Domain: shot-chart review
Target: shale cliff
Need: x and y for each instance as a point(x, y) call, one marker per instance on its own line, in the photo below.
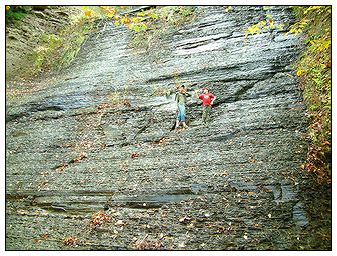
point(97, 137)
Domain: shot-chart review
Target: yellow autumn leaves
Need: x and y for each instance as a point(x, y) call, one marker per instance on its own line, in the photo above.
point(316, 47)
point(88, 13)
point(109, 11)
point(135, 23)
point(268, 23)
point(300, 72)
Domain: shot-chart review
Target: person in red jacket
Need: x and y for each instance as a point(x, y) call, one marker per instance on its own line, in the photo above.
point(207, 101)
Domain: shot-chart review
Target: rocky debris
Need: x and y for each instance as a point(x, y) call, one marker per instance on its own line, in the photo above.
point(235, 184)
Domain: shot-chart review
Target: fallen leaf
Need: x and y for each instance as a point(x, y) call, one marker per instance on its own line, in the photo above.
point(184, 219)
point(190, 226)
point(45, 235)
point(147, 244)
point(98, 219)
point(41, 238)
point(22, 212)
point(182, 245)
point(161, 141)
point(61, 167)
point(80, 157)
point(103, 106)
point(225, 173)
point(88, 13)
point(71, 240)
point(126, 103)
point(135, 154)
point(120, 223)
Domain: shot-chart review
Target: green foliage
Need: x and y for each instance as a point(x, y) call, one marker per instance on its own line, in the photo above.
point(56, 51)
point(16, 13)
point(157, 24)
point(72, 40)
point(174, 15)
point(314, 71)
point(142, 20)
point(120, 16)
point(256, 28)
point(266, 24)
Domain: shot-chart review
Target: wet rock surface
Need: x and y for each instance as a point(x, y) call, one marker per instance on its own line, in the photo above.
point(235, 184)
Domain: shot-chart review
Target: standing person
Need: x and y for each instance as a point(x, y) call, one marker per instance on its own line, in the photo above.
point(181, 99)
point(207, 101)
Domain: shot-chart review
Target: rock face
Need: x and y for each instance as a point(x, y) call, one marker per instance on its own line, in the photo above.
point(98, 137)
point(22, 39)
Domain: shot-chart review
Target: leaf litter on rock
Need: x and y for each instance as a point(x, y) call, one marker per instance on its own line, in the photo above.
point(135, 154)
point(41, 237)
point(82, 156)
point(98, 219)
point(149, 244)
point(71, 241)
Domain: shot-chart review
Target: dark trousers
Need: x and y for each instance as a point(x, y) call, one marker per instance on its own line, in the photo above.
point(206, 113)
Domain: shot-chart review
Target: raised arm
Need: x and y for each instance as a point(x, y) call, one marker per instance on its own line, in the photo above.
point(214, 98)
point(169, 92)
